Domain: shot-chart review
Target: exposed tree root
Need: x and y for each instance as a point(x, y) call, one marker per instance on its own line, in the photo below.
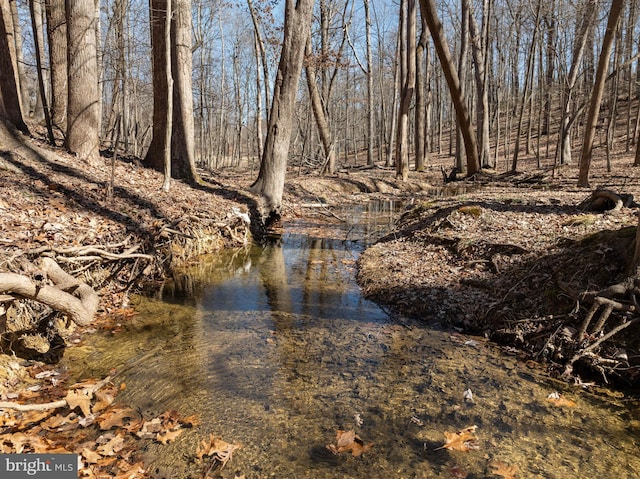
point(65, 293)
point(620, 299)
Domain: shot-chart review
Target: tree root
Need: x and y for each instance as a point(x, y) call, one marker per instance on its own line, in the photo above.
point(603, 306)
point(66, 294)
point(605, 200)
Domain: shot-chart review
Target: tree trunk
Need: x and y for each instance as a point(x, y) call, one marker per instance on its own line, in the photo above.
point(617, 7)
point(318, 110)
point(22, 76)
point(429, 10)
point(270, 182)
point(83, 113)
point(155, 154)
point(478, 48)
point(35, 9)
point(369, 73)
point(408, 82)
point(168, 123)
point(178, 56)
point(582, 30)
point(10, 104)
point(421, 105)
point(183, 136)
point(57, 36)
point(525, 93)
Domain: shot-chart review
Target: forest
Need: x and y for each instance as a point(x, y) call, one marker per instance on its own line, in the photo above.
point(136, 137)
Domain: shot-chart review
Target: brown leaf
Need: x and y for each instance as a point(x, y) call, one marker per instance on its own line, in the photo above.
point(115, 417)
point(80, 399)
point(216, 448)
point(504, 470)
point(90, 457)
point(349, 441)
point(464, 440)
point(166, 437)
point(559, 400)
point(112, 447)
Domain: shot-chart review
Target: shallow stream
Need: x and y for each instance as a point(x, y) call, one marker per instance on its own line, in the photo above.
point(276, 349)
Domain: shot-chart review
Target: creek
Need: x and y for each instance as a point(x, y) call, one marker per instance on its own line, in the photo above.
point(275, 348)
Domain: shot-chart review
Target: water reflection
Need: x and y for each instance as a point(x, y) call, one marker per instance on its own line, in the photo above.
point(276, 349)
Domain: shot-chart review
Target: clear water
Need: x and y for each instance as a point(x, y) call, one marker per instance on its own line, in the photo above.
point(276, 349)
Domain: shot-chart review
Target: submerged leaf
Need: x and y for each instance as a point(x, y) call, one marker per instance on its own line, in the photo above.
point(349, 441)
point(559, 400)
point(464, 440)
point(504, 470)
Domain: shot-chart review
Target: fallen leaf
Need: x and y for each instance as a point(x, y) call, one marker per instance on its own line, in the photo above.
point(559, 400)
point(349, 441)
point(464, 440)
point(90, 457)
point(79, 399)
point(504, 470)
point(112, 447)
point(115, 417)
point(168, 436)
point(216, 448)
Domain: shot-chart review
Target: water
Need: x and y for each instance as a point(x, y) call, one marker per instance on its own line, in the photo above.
point(276, 349)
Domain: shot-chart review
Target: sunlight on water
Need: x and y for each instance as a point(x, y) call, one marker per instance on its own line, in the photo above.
point(276, 349)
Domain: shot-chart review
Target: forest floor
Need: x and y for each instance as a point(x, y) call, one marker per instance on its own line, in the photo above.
point(502, 255)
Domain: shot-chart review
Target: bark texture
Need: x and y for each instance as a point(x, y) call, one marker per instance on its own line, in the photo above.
point(83, 114)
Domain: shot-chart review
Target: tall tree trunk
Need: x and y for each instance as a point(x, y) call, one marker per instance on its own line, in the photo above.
point(57, 36)
point(168, 123)
point(83, 113)
point(183, 164)
point(161, 95)
point(270, 182)
point(182, 140)
point(10, 104)
point(421, 106)
point(369, 73)
point(617, 7)
point(318, 110)
point(408, 79)
point(462, 72)
point(527, 85)
point(22, 76)
point(582, 31)
point(35, 8)
point(478, 48)
point(428, 9)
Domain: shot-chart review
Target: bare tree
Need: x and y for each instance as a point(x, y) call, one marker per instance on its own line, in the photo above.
point(83, 112)
point(178, 57)
point(617, 7)
point(35, 8)
point(428, 9)
point(10, 101)
point(57, 37)
point(408, 82)
point(270, 182)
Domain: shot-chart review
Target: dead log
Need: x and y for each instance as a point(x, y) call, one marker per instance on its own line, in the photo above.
point(67, 294)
